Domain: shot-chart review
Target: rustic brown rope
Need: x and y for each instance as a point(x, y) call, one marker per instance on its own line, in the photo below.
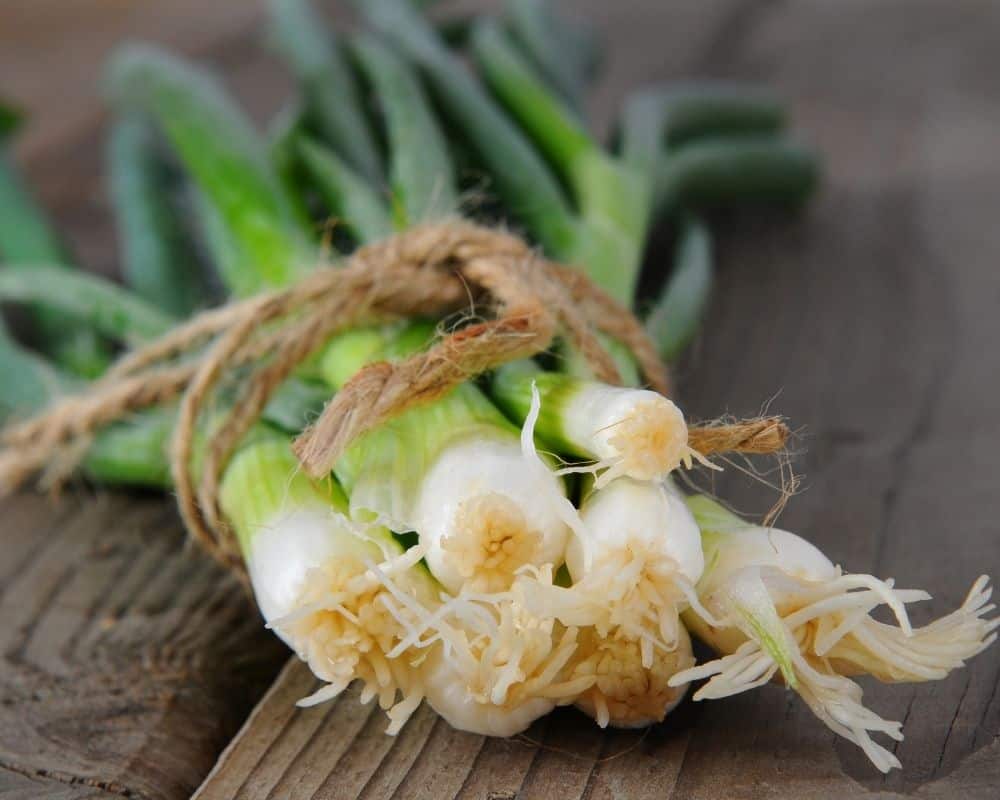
point(431, 270)
point(755, 436)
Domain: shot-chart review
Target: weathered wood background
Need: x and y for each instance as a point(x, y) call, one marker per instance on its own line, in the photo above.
point(873, 321)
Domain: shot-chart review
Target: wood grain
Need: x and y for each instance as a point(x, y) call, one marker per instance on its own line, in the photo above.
point(871, 321)
point(128, 659)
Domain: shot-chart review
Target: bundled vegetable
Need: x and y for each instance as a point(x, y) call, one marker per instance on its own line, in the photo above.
point(778, 606)
point(485, 515)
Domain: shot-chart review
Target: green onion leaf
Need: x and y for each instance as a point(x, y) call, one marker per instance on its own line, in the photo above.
point(348, 196)
point(330, 88)
point(283, 132)
point(29, 382)
point(422, 178)
point(26, 237)
point(157, 263)
point(102, 305)
point(226, 160)
point(522, 179)
point(10, 120)
point(295, 404)
point(613, 198)
point(674, 319)
point(657, 118)
point(551, 125)
point(728, 170)
point(133, 452)
point(565, 53)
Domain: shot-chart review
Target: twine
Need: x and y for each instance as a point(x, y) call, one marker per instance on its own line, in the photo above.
point(430, 270)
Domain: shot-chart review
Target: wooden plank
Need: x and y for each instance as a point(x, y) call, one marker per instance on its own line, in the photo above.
point(881, 341)
point(869, 318)
point(127, 659)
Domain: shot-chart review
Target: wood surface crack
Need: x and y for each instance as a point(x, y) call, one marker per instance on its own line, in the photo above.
point(951, 725)
point(68, 779)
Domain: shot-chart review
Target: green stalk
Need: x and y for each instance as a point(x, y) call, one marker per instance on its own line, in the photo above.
point(10, 119)
point(133, 452)
point(383, 469)
point(522, 179)
point(454, 30)
point(329, 86)
point(156, 260)
point(124, 452)
point(25, 233)
point(264, 477)
point(29, 381)
point(674, 319)
point(347, 195)
point(226, 160)
point(421, 173)
point(295, 404)
point(613, 198)
point(283, 133)
point(723, 171)
point(565, 53)
point(660, 118)
point(129, 453)
point(26, 237)
point(558, 134)
point(93, 301)
point(510, 388)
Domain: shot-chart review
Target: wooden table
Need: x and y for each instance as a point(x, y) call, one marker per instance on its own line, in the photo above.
point(873, 322)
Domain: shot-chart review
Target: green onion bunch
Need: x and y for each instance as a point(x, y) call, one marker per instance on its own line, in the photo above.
point(519, 543)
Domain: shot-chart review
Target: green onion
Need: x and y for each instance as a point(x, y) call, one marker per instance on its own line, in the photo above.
point(674, 319)
point(227, 162)
point(26, 238)
point(261, 480)
point(133, 453)
point(660, 118)
point(422, 180)
point(29, 381)
point(727, 170)
point(613, 199)
point(632, 432)
point(329, 86)
point(10, 120)
point(103, 306)
point(564, 52)
point(347, 195)
point(786, 607)
point(156, 260)
point(301, 551)
point(283, 132)
point(296, 403)
point(640, 542)
point(529, 191)
point(356, 607)
point(454, 471)
point(458, 570)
